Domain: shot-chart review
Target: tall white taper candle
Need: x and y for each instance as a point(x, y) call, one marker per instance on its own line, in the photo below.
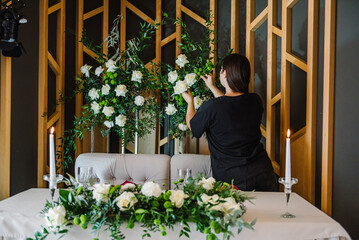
point(52, 157)
point(288, 176)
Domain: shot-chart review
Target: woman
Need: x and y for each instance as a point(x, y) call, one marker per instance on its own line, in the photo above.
point(232, 125)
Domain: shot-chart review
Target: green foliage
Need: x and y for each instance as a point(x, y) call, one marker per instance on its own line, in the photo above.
point(102, 89)
point(154, 214)
point(200, 56)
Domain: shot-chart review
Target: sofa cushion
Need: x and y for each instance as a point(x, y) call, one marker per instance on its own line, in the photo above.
point(197, 163)
point(138, 168)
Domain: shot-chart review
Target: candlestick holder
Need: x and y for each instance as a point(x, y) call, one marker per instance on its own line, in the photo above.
point(53, 183)
point(287, 191)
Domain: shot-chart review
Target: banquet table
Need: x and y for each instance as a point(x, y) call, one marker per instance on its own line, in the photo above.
point(20, 217)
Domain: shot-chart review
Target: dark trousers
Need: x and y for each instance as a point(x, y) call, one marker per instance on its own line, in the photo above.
point(265, 182)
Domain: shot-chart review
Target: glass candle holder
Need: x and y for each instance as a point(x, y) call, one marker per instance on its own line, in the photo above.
point(53, 183)
point(287, 191)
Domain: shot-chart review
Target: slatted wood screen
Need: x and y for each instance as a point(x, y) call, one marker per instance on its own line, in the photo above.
point(127, 5)
point(57, 66)
point(303, 140)
point(176, 36)
point(81, 17)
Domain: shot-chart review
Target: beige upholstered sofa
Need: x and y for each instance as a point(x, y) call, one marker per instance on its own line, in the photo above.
point(117, 168)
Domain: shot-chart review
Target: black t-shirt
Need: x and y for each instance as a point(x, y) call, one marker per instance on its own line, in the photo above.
point(232, 126)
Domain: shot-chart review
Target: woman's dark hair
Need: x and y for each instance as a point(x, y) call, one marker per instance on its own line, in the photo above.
point(238, 72)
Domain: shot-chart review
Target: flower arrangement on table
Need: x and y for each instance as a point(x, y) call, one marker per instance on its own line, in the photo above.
point(213, 206)
point(114, 90)
point(194, 62)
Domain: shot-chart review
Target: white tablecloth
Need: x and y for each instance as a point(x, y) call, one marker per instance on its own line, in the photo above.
point(20, 217)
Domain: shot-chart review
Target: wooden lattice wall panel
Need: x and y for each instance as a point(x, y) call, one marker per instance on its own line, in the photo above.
point(160, 43)
point(57, 66)
point(103, 10)
point(303, 140)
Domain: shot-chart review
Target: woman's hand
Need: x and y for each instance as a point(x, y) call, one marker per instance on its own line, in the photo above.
point(208, 81)
point(187, 96)
point(210, 84)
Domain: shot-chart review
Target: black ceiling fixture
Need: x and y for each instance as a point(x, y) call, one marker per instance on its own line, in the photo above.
point(10, 20)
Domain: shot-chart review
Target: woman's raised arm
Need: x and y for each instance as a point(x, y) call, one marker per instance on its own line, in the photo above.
point(210, 84)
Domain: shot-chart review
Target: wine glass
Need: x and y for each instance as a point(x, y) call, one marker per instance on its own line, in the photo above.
point(188, 175)
point(93, 178)
point(181, 175)
point(87, 176)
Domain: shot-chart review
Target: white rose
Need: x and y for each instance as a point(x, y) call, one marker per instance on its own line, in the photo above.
point(209, 199)
point(105, 89)
point(180, 87)
point(190, 79)
point(207, 183)
point(172, 76)
point(108, 111)
point(93, 94)
point(197, 102)
point(121, 90)
point(98, 70)
point(214, 200)
point(177, 198)
point(139, 100)
point(95, 107)
point(136, 76)
point(111, 66)
point(181, 60)
point(126, 201)
point(85, 69)
point(182, 127)
point(108, 124)
point(121, 120)
point(170, 109)
point(230, 205)
point(100, 192)
point(55, 216)
point(128, 186)
point(150, 189)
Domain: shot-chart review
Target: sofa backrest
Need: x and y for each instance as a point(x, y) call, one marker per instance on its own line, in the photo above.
point(116, 168)
point(197, 163)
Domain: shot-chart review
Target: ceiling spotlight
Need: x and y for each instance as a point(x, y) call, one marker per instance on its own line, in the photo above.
point(10, 21)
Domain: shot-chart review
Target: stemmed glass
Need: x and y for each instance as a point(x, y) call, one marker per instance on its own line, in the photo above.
point(287, 191)
point(87, 176)
point(184, 174)
point(181, 173)
point(188, 175)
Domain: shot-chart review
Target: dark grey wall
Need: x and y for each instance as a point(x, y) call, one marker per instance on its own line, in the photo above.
point(346, 120)
point(23, 162)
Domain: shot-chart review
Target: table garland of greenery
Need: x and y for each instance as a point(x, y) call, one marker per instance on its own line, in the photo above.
point(212, 206)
